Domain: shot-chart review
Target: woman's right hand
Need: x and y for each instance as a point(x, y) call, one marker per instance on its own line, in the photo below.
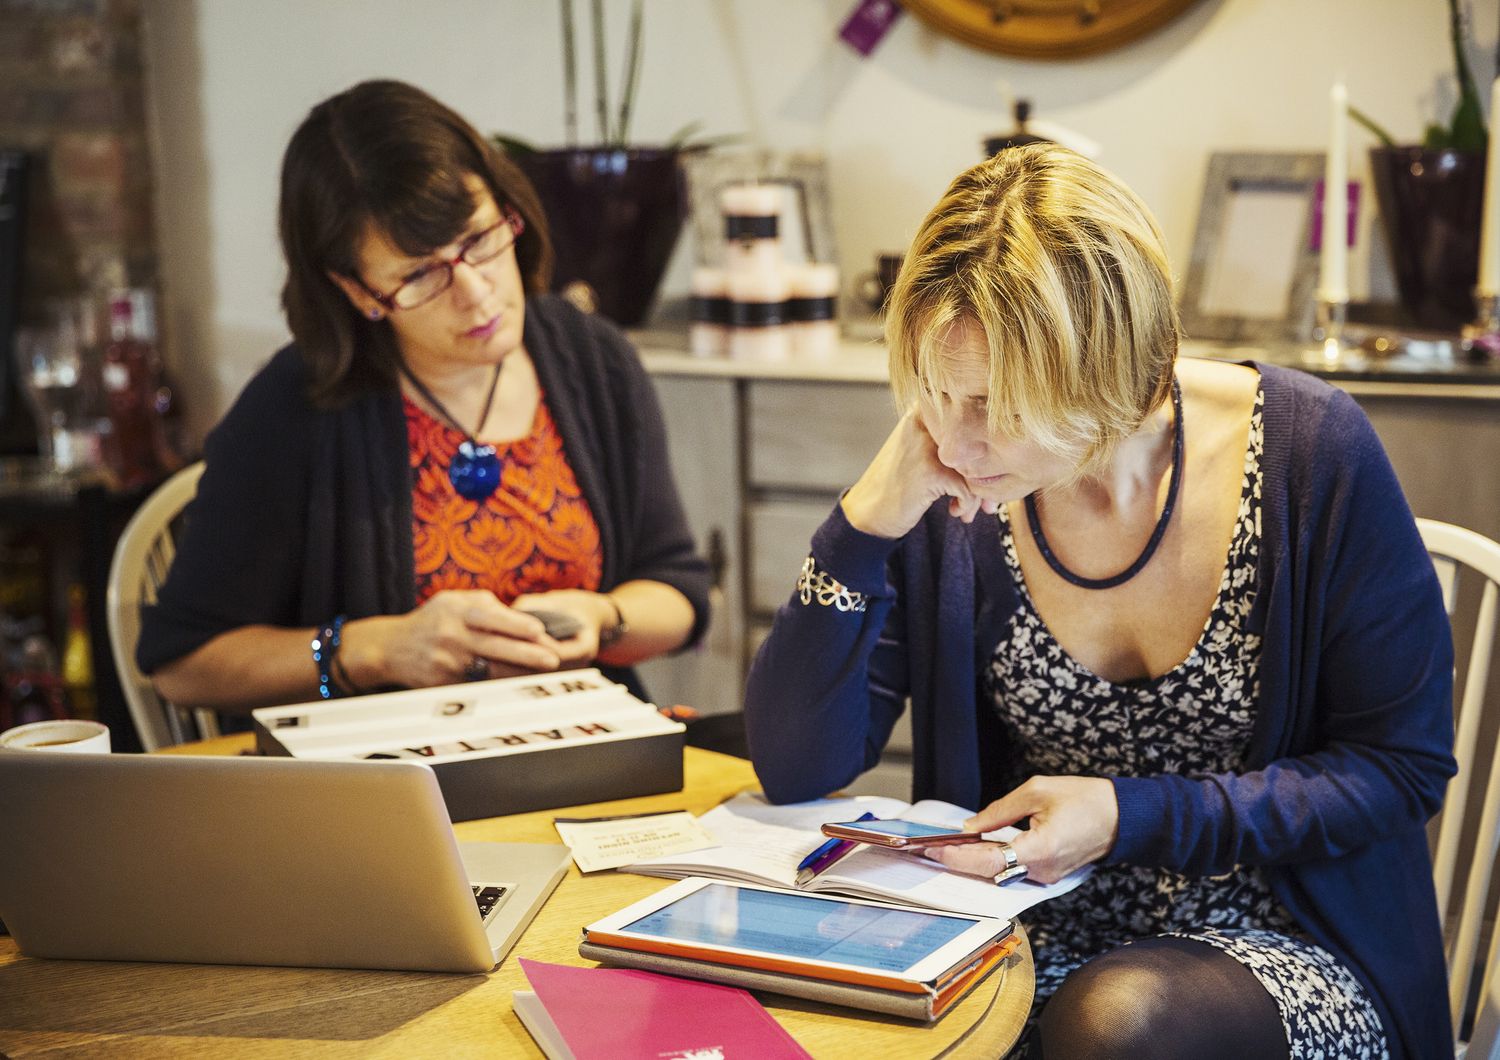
point(436, 643)
point(903, 481)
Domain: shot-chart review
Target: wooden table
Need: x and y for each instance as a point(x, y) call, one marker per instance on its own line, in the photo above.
point(134, 1009)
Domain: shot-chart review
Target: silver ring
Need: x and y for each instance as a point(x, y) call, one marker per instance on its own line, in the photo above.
point(1013, 868)
point(477, 670)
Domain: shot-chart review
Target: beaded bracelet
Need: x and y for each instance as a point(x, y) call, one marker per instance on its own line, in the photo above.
point(828, 591)
point(325, 645)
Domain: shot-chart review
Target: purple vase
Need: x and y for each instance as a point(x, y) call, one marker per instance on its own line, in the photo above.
point(615, 214)
point(1430, 202)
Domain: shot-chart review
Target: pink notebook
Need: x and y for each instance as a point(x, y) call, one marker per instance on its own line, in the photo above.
point(618, 1012)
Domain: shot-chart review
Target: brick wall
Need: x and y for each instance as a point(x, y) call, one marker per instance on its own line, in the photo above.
point(72, 95)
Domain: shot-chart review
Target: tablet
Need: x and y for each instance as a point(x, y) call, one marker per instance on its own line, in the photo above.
point(824, 935)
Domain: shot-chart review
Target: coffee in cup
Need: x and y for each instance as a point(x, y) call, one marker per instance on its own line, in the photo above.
point(69, 735)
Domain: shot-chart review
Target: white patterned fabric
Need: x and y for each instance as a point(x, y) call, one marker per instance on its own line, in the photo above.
point(1061, 719)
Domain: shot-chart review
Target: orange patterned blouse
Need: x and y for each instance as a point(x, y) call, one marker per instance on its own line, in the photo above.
point(533, 534)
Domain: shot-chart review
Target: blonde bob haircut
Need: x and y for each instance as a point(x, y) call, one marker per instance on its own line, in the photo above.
point(1065, 271)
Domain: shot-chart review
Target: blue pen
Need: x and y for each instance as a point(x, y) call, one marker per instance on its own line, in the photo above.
point(826, 854)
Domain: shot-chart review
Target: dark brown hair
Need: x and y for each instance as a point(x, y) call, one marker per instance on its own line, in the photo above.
point(382, 155)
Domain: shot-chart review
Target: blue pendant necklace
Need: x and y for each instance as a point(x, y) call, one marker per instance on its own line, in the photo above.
point(474, 469)
point(1156, 535)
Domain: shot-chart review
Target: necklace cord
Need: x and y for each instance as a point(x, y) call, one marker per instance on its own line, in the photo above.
point(475, 469)
point(489, 401)
point(1033, 518)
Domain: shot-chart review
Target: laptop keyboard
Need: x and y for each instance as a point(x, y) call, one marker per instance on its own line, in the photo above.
point(489, 898)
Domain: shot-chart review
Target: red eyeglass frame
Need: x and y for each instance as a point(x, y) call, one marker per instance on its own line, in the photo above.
point(511, 218)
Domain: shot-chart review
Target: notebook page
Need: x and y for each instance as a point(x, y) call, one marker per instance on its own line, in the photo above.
point(760, 842)
point(911, 879)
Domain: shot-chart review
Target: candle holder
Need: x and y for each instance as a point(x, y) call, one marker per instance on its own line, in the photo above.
point(1334, 351)
point(1481, 338)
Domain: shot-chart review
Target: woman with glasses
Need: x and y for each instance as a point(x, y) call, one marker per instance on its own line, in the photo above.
point(448, 475)
point(1172, 617)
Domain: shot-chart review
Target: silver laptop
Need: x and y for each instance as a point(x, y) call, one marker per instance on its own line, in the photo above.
point(255, 861)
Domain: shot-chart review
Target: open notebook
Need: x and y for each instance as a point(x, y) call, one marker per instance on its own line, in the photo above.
point(761, 843)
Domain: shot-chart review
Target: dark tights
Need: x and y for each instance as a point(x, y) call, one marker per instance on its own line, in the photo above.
point(1159, 999)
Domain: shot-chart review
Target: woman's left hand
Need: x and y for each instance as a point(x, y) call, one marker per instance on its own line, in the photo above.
point(593, 611)
point(1073, 823)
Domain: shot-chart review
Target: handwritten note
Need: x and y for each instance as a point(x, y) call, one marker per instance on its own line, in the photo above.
point(609, 844)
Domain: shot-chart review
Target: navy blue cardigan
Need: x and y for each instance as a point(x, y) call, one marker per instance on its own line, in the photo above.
point(1351, 749)
point(303, 513)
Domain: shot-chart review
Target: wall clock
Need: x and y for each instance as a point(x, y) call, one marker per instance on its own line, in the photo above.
point(1047, 29)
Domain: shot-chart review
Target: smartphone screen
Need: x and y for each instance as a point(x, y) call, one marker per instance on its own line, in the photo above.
point(898, 833)
point(904, 829)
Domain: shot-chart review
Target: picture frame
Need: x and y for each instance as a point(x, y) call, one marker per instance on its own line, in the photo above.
point(1253, 272)
point(807, 220)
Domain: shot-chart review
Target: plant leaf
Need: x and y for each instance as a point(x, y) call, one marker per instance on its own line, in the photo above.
point(1437, 137)
point(682, 135)
point(1467, 131)
point(632, 73)
point(513, 146)
point(708, 143)
point(570, 72)
point(1466, 87)
point(1375, 128)
point(687, 139)
point(601, 89)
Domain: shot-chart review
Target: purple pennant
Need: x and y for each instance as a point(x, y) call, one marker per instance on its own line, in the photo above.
point(1315, 229)
point(868, 24)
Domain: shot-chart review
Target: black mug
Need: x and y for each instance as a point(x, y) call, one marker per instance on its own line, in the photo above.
point(874, 288)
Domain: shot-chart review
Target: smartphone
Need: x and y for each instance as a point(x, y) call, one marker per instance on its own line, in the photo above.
point(557, 625)
point(908, 834)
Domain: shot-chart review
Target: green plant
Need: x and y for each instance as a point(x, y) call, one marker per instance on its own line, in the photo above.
point(611, 135)
point(1465, 131)
point(613, 123)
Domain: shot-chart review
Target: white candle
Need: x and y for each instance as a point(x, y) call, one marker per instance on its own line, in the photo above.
point(1489, 229)
point(751, 200)
point(1333, 275)
point(813, 281)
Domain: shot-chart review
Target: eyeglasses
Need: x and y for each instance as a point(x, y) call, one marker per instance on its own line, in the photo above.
point(432, 280)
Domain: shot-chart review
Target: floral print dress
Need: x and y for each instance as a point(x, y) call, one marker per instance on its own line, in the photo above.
point(1062, 719)
point(533, 534)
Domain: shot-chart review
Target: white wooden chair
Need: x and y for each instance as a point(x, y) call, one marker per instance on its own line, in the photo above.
point(1455, 550)
point(142, 558)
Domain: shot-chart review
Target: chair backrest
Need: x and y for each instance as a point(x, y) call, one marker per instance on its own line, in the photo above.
point(1456, 552)
point(142, 558)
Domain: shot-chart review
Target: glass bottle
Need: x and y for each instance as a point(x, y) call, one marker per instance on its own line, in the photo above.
point(36, 687)
point(78, 657)
point(157, 389)
point(130, 385)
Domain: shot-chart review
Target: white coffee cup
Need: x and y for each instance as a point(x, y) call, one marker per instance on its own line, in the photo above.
point(76, 736)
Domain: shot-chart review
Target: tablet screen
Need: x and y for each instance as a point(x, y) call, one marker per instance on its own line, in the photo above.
point(803, 926)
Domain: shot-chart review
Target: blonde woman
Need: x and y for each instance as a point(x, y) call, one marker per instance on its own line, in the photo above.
point(1174, 616)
